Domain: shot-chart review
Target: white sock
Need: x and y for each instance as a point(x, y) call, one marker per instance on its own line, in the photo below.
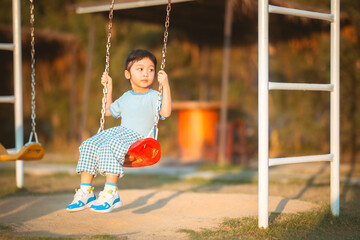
point(85, 187)
point(110, 186)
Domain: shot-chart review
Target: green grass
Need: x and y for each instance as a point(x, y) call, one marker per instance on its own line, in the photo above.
point(317, 224)
point(226, 167)
point(6, 233)
point(5, 228)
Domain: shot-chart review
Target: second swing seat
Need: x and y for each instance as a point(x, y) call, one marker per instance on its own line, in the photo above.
point(30, 151)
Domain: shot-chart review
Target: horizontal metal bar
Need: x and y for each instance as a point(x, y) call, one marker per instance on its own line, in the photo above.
point(7, 99)
point(124, 5)
point(7, 46)
point(301, 86)
point(301, 13)
point(303, 159)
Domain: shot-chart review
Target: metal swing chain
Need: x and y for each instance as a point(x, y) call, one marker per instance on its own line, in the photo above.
point(107, 66)
point(162, 66)
point(33, 93)
point(166, 34)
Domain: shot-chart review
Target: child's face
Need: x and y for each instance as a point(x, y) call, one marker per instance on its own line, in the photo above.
point(141, 75)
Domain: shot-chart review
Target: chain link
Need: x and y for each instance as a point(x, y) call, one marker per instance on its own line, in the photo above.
point(107, 66)
point(162, 66)
point(166, 34)
point(33, 93)
point(163, 61)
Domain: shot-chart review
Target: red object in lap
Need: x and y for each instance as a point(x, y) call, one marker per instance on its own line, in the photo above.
point(144, 152)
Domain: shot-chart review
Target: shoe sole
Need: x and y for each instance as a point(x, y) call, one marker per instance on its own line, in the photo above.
point(116, 205)
point(80, 208)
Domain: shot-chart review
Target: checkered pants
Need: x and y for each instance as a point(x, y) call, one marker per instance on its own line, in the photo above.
point(105, 152)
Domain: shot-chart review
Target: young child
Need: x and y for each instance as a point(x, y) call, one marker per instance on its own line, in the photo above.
point(105, 152)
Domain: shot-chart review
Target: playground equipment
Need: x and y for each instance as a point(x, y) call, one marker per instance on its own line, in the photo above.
point(265, 86)
point(147, 151)
point(31, 150)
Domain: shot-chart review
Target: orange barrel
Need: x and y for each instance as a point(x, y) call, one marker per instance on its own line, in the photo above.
point(196, 133)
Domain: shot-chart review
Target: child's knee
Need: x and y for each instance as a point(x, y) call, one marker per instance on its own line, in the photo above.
point(112, 174)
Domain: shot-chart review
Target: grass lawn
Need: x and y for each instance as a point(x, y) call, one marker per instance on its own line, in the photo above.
point(319, 224)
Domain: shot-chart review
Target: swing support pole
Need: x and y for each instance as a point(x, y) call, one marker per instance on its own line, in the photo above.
point(263, 116)
point(264, 86)
point(19, 125)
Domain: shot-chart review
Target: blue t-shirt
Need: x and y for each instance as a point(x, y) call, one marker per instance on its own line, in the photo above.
point(137, 110)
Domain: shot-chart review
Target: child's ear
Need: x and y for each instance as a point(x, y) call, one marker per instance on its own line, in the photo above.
point(127, 74)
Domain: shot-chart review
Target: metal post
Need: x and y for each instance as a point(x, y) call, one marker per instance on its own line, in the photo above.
point(225, 80)
point(87, 81)
point(263, 112)
point(335, 108)
point(19, 127)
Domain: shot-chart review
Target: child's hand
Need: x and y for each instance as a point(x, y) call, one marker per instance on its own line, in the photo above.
point(106, 79)
point(163, 78)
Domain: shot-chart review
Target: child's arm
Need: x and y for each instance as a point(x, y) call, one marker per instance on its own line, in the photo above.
point(165, 110)
point(106, 79)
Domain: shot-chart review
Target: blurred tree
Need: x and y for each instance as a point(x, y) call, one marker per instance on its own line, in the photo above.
point(299, 121)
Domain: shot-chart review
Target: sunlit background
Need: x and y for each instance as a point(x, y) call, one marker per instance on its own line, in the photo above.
point(299, 52)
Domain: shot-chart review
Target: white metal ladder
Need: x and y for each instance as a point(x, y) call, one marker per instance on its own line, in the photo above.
point(263, 101)
point(17, 98)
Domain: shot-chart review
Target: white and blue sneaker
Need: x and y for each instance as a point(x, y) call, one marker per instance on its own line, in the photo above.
point(106, 202)
point(82, 200)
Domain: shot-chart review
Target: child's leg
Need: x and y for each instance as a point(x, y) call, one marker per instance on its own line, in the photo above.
point(84, 196)
point(108, 163)
point(108, 198)
point(89, 152)
point(88, 159)
point(86, 178)
point(110, 159)
point(112, 178)
point(88, 166)
point(86, 181)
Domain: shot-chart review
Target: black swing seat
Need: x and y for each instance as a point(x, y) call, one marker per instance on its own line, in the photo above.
point(30, 151)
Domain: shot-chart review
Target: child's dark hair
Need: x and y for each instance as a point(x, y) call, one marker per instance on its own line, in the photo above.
point(137, 55)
